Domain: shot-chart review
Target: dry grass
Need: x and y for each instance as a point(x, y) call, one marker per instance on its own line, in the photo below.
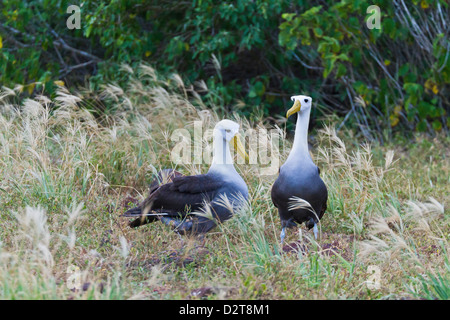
point(66, 176)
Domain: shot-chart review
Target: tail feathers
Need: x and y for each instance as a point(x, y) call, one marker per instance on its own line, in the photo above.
point(137, 212)
point(141, 218)
point(132, 212)
point(141, 221)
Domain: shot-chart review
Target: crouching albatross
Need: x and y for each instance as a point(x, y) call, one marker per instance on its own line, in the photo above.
point(172, 201)
point(299, 181)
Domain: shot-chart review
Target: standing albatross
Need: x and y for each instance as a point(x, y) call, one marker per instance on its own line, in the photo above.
point(299, 177)
point(173, 201)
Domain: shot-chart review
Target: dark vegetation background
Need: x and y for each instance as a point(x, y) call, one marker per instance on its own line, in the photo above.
point(252, 55)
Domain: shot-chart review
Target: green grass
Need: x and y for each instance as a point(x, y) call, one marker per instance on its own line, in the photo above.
point(66, 177)
point(434, 286)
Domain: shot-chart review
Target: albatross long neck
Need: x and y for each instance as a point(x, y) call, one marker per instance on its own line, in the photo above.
point(300, 150)
point(222, 160)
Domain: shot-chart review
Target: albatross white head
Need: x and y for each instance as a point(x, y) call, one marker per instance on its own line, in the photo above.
point(226, 131)
point(301, 103)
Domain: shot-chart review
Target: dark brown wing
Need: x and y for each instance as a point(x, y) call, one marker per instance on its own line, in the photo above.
point(163, 177)
point(176, 198)
point(185, 192)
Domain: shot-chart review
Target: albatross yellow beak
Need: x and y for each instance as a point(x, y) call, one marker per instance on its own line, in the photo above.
point(239, 147)
point(295, 108)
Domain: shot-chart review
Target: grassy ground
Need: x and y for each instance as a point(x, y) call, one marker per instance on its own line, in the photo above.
point(66, 176)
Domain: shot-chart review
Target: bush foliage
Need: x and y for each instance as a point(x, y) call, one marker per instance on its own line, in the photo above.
point(252, 55)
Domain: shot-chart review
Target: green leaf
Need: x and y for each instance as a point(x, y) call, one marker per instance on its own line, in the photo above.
point(422, 126)
point(403, 69)
point(88, 31)
point(437, 125)
point(341, 71)
point(311, 12)
point(318, 32)
point(288, 16)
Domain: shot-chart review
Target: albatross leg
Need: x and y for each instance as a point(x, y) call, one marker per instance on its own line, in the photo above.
point(283, 235)
point(315, 230)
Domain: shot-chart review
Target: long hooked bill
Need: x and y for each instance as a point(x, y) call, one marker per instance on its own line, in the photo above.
point(295, 108)
point(239, 147)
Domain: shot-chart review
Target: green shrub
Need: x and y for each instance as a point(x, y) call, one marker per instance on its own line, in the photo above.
point(399, 72)
point(258, 52)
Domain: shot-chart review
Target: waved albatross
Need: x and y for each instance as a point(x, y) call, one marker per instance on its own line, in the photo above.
point(174, 201)
point(299, 177)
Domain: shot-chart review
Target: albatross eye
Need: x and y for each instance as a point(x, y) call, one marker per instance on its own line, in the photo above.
point(227, 130)
point(306, 100)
